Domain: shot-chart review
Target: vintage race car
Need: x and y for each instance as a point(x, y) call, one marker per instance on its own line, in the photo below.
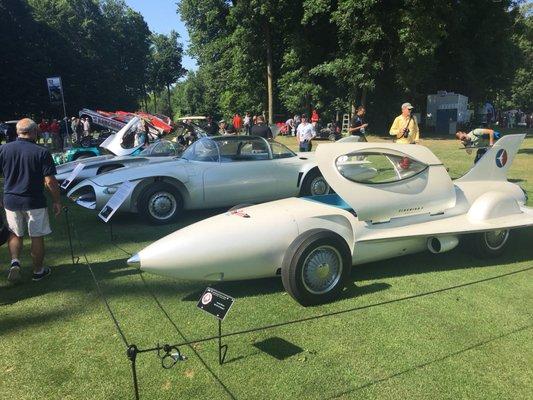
point(213, 172)
point(390, 200)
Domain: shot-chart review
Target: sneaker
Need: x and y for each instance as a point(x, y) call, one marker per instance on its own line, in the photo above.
point(37, 277)
point(14, 274)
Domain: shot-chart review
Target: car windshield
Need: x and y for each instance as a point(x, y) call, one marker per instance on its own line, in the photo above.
point(160, 148)
point(280, 151)
point(231, 149)
point(374, 167)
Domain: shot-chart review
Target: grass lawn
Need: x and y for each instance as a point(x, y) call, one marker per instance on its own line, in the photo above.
point(57, 340)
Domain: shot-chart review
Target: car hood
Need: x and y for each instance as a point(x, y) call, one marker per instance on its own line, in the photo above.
point(113, 142)
point(67, 167)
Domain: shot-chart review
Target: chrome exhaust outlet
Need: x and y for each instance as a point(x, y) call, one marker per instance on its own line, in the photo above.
point(442, 244)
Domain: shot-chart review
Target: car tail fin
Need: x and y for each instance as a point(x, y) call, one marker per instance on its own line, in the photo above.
point(495, 163)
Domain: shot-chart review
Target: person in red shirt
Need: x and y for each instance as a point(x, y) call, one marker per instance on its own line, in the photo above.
point(314, 118)
point(45, 130)
point(237, 122)
point(54, 132)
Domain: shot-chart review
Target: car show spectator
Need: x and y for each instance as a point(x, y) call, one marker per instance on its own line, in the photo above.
point(86, 126)
point(44, 127)
point(261, 129)
point(76, 129)
point(479, 138)
point(237, 122)
point(210, 127)
point(247, 122)
point(290, 127)
point(55, 134)
point(225, 129)
point(405, 128)
point(27, 168)
point(304, 134)
point(358, 124)
point(315, 118)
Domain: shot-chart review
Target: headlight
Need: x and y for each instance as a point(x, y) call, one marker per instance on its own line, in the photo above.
point(111, 189)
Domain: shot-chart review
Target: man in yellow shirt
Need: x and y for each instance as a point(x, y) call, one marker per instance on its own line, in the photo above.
point(405, 128)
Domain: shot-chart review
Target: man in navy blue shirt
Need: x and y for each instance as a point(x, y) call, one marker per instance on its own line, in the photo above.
point(27, 168)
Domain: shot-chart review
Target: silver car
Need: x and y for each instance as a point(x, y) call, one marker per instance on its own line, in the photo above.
point(220, 171)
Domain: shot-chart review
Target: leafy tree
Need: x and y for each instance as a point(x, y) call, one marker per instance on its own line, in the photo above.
point(166, 67)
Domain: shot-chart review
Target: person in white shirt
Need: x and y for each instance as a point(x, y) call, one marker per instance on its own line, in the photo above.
point(304, 134)
point(86, 126)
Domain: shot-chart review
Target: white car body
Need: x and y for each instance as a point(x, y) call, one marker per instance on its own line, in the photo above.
point(213, 172)
point(391, 200)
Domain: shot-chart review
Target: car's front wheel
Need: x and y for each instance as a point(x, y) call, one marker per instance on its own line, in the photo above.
point(160, 203)
point(491, 243)
point(316, 266)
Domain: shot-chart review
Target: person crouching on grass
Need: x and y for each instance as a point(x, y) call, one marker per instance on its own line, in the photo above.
point(479, 138)
point(27, 168)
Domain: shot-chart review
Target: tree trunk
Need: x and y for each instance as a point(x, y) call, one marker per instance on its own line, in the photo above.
point(363, 97)
point(269, 74)
point(354, 102)
point(155, 103)
point(169, 106)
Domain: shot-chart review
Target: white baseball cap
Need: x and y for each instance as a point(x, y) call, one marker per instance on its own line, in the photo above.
point(407, 105)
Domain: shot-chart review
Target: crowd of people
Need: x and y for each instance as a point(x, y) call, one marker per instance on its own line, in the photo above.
point(54, 133)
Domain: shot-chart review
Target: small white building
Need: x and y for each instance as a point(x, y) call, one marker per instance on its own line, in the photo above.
point(445, 110)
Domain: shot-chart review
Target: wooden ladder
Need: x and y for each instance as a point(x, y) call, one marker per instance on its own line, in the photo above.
point(345, 123)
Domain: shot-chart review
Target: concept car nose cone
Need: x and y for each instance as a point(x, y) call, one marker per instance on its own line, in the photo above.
point(134, 260)
point(241, 244)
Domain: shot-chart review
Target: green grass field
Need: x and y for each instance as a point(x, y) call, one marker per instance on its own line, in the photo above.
point(57, 340)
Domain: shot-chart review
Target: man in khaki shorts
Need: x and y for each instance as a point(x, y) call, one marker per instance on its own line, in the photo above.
point(27, 168)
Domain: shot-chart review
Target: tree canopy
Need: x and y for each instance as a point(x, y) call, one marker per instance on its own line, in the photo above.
point(332, 54)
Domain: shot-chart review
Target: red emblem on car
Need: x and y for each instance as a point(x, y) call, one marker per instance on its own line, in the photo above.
point(239, 213)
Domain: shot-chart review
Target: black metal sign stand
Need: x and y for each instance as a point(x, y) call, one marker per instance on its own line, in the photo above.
point(132, 356)
point(75, 259)
point(222, 349)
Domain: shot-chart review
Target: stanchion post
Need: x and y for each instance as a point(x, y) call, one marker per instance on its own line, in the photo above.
point(74, 259)
point(222, 349)
point(132, 356)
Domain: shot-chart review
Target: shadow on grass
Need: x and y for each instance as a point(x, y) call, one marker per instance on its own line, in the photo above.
point(431, 362)
point(36, 318)
point(525, 151)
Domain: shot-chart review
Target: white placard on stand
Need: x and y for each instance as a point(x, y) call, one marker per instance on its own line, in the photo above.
point(116, 200)
point(75, 172)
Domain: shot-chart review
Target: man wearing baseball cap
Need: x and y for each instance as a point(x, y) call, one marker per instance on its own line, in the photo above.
point(405, 128)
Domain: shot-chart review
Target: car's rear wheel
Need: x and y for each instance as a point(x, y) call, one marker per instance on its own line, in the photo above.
point(314, 184)
point(160, 203)
point(491, 243)
point(316, 266)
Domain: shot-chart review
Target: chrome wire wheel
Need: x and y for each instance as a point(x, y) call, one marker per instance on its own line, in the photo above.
point(162, 205)
point(495, 240)
point(322, 270)
point(319, 186)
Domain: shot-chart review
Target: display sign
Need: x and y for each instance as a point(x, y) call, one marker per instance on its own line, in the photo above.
point(215, 303)
point(75, 172)
point(55, 89)
point(116, 200)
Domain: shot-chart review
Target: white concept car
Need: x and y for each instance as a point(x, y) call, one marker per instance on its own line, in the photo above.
point(390, 200)
point(219, 171)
